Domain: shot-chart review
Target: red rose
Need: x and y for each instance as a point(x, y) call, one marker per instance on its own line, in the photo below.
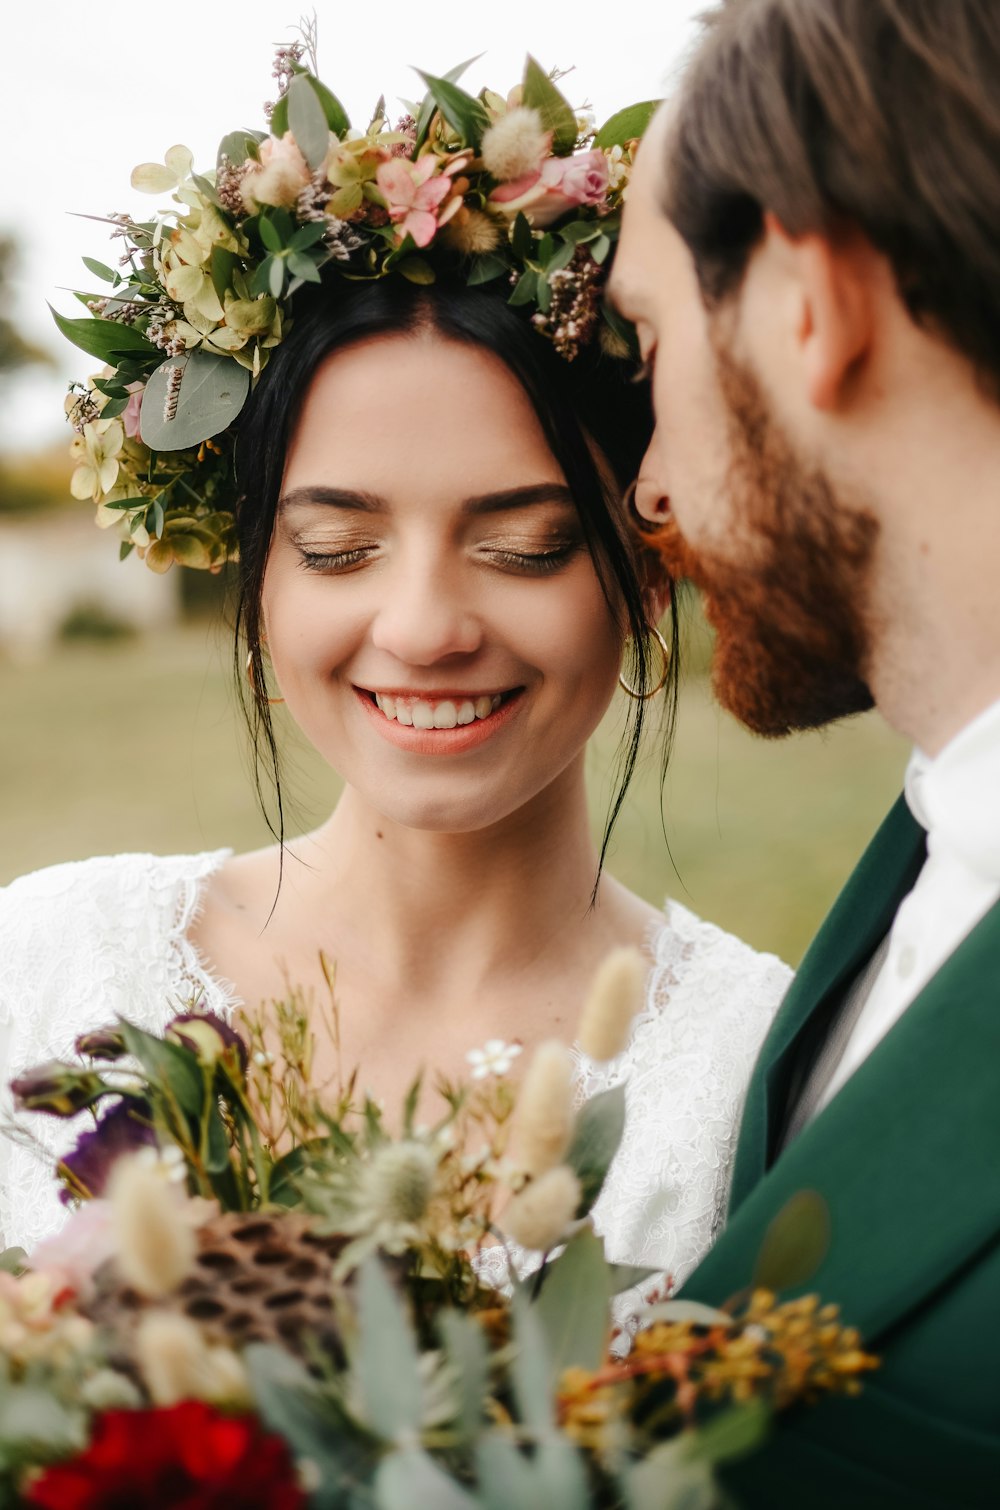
point(188, 1457)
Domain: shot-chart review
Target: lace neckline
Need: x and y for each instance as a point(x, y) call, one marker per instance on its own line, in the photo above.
point(188, 964)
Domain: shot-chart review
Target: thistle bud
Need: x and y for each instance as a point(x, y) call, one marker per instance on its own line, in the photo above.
point(60, 1089)
point(545, 1109)
point(615, 995)
point(101, 1043)
point(539, 1215)
point(400, 1182)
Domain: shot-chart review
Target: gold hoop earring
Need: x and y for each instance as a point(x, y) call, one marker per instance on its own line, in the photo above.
point(253, 685)
point(642, 697)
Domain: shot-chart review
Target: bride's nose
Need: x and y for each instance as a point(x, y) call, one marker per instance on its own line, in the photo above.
point(426, 616)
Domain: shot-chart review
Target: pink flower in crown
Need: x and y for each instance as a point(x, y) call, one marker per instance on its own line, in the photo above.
point(415, 193)
point(560, 185)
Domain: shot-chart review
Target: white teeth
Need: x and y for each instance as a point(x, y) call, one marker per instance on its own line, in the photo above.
point(418, 713)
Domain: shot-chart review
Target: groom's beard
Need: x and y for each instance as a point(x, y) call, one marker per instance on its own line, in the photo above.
point(790, 621)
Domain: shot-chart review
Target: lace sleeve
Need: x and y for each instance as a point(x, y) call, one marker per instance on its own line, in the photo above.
point(710, 1001)
point(82, 944)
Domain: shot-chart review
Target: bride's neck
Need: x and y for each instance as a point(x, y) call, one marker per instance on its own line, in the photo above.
point(504, 893)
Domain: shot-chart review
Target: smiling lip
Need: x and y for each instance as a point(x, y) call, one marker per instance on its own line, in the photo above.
point(437, 741)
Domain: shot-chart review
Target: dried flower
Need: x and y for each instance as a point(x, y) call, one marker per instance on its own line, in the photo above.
point(280, 176)
point(155, 1242)
point(616, 994)
point(415, 194)
point(516, 144)
point(545, 1110)
point(472, 232)
point(539, 1215)
point(178, 1364)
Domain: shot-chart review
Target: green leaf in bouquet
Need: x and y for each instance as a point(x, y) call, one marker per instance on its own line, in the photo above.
point(417, 270)
point(428, 106)
point(600, 1123)
point(525, 289)
point(553, 1478)
point(290, 1402)
point(35, 1425)
point(539, 93)
point(102, 338)
point(629, 1276)
point(101, 270)
point(386, 1362)
point(213, 391)
point(463, 112)
point(12, 1260)
point(279, 117)
point(681, 1311)
point(169, 1067)
point(504, 1473)
point(466, 1351)
point(626, 125)
point(269, 234)
point(222, 266)
point(114, 407)
point(731, 1434)
point(561, 257)
point(303, 266)
point(668, 1479)
point(531, 1367)
point(409, 1477)
point(216, 1146)
point(207, 188)
point(337, 118)
point(599, 249)
point(795, 1243)
point(307, 121)
point(574, 1305)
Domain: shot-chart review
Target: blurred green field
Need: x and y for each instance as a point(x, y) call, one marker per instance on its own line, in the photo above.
point(138, 745)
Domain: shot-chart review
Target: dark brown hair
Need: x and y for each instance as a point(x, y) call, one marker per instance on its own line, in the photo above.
point(880, 113)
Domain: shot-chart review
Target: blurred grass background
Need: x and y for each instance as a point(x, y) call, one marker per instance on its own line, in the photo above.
point(110, 744)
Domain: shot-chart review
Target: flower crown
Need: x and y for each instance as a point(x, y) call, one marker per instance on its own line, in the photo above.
point(521, 189)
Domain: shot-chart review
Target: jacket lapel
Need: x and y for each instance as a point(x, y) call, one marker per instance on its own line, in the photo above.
point(860, 918)
point(904, 1156)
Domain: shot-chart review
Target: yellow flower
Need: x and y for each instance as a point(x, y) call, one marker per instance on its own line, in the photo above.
point(96, 453)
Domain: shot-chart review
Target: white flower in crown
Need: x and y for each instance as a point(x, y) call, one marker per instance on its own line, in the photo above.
point(494, 1058)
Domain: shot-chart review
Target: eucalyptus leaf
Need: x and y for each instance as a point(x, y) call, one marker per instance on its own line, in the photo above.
point(539, 93)
point(386, 1363)
point(732, 1434)
point(462, 111)
point(303, 267)
point(308, 235)
point(32, 1418)
point(668, 1479)
point(269, 234)
point(307, 121)
point(466, 1350)
point(409, 1478)
point(208, 189)
point(600, 247)
point(237, 146)
point(279, 117)
point(531, 1369)
point(102, 338)
point(600, 1123)
point(525, 290)
point(275, 276)
point(417, 270)
point(573, 1306)
point(100, 270)
point(627, 125)
point(795, 1243)
point(213, 391)
point(504, 1474)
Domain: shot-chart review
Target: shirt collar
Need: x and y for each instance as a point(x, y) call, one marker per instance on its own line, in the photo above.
point(956, 795)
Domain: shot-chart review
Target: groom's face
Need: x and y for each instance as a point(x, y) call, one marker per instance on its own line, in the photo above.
point(781, 554)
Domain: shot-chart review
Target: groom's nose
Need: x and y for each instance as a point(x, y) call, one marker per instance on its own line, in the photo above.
point(651, 499)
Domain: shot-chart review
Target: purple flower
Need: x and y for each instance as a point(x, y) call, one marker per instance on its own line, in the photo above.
point(60, 1089)
point(207, 1036)
point(87, 1167)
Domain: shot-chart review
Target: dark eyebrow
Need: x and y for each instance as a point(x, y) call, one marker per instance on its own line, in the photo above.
point(481, 503)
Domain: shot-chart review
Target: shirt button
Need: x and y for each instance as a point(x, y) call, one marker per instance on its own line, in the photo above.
point(907, 961)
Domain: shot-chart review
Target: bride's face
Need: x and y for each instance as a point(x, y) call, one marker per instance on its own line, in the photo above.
point(433, 615)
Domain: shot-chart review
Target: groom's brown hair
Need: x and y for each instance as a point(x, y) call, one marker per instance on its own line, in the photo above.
point(880, 113)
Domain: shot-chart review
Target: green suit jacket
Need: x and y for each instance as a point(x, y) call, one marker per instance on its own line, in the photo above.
point(907, 1158)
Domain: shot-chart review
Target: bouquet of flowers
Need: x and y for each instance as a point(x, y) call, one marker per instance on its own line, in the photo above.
point(269, 1294)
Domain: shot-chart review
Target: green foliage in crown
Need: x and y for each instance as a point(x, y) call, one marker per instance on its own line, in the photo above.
point(518, 188)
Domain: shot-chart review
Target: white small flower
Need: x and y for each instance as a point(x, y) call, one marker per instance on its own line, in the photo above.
point(168, 1163)
point(263, 1059)
point(494, 1058)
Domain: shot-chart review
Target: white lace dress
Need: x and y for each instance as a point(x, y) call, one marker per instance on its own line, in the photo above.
point(84, 943)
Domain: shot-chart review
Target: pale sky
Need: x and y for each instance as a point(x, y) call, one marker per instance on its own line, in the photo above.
point(91, 91)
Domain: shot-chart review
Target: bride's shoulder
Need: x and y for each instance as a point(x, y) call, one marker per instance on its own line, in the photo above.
point(66, 925)
point(707, 977)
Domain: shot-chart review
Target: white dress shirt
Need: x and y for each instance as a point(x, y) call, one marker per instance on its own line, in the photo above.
point(956, 798)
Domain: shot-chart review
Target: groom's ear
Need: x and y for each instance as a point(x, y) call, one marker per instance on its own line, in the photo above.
point(831, 282)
